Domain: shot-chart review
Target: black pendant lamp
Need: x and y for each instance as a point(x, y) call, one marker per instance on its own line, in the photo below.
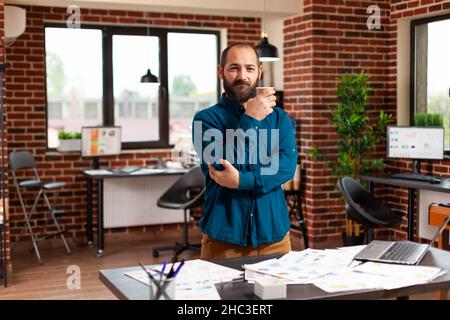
point(149, 77)
point(266, 51)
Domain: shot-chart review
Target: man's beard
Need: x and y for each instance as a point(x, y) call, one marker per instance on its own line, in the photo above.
point(239, 91)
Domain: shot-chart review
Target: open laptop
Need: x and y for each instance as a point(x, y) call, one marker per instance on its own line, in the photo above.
point(402, 252)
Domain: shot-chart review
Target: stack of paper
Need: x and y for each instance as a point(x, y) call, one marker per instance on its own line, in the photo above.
point(334, 270)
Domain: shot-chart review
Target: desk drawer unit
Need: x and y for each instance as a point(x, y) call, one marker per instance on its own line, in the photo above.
point(132, 201)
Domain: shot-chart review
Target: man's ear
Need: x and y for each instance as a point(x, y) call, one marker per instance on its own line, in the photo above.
point(220, 71)
point(260, 71)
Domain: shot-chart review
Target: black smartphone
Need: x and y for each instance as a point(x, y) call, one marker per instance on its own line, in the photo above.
point(218, 166)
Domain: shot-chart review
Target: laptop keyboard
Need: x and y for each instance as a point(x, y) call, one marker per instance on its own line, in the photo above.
point(401, 252)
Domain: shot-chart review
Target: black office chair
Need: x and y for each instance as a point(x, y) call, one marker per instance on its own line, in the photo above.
point(178, 197)
point(364, 208)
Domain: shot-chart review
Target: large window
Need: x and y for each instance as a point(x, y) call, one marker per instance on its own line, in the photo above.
point(193, 85)
point(74, 80)
point(101, 85)
point(431, 69)
point(136, 105)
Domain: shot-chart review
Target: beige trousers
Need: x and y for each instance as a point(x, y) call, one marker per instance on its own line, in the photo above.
point(213, 249)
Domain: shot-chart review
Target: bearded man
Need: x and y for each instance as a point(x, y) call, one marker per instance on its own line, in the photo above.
point(245, 211)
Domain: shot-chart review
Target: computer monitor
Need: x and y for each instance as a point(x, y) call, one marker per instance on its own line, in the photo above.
point(101, 141)
point(416, 143)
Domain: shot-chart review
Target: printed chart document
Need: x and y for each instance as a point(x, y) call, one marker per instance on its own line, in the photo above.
point(298, 267)
point(416, 274)
point(350, 280)
point(196, 279)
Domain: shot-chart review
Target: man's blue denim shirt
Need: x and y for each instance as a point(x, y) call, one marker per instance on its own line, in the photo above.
point(256, 212)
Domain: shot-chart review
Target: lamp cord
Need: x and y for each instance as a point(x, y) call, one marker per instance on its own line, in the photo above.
point(265, 18)
point(148, 27)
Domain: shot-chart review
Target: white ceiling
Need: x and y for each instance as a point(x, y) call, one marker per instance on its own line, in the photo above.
point(281, 8)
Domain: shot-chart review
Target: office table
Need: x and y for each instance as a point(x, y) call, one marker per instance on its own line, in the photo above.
point(126, 288)
point(412, 185)
point(100, 178)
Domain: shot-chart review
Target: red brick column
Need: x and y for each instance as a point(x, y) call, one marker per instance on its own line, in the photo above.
point(330, 38)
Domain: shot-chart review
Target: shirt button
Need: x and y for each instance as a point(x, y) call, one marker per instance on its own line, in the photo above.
point(256, 127)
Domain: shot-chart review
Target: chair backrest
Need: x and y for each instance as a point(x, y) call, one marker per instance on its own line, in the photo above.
point(178, 192)
point(22, 160)
point(363, 207)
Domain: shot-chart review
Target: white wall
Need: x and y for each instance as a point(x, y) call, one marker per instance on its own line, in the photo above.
point(217, 7)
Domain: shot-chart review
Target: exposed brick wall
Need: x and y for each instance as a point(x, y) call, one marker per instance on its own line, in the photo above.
point(26, 102)
point(328, 39)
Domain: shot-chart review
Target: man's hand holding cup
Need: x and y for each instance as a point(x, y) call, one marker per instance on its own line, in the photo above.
point(261, 106)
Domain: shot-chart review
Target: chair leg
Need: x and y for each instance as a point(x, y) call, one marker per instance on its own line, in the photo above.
point(27, 222)
point(33, 240)
point(302, 223)
point(33, 210)
point(179, 247)
point(60, 232)
point(443, 245)
point(369, 235)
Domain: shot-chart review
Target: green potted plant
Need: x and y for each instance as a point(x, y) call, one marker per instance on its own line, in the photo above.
point(69, 141)
point(357, 138)
point(428, 120)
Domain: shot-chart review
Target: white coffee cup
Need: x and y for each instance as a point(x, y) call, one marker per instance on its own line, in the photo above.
point(260, 89)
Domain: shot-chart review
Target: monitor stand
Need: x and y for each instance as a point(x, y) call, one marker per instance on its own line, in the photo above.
point(95, 163)
point(416, 166)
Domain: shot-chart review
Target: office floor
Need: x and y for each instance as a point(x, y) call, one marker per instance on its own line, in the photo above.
point(29, 280)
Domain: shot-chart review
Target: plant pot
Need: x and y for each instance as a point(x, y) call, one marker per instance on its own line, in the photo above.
point(67, 145)
point(352, 240)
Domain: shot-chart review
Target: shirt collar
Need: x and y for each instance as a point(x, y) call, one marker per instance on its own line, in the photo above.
point(231, 105)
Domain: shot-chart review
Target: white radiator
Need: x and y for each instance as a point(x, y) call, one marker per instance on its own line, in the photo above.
point(132, 201)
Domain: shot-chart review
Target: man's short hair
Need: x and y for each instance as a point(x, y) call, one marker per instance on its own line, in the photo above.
point(224, 56)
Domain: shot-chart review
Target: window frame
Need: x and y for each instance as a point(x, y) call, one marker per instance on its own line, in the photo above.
point(108, 31)
point(412, 66)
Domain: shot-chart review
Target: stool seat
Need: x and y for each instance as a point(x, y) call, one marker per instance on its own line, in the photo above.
point(53, 185)
point(30, 183)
